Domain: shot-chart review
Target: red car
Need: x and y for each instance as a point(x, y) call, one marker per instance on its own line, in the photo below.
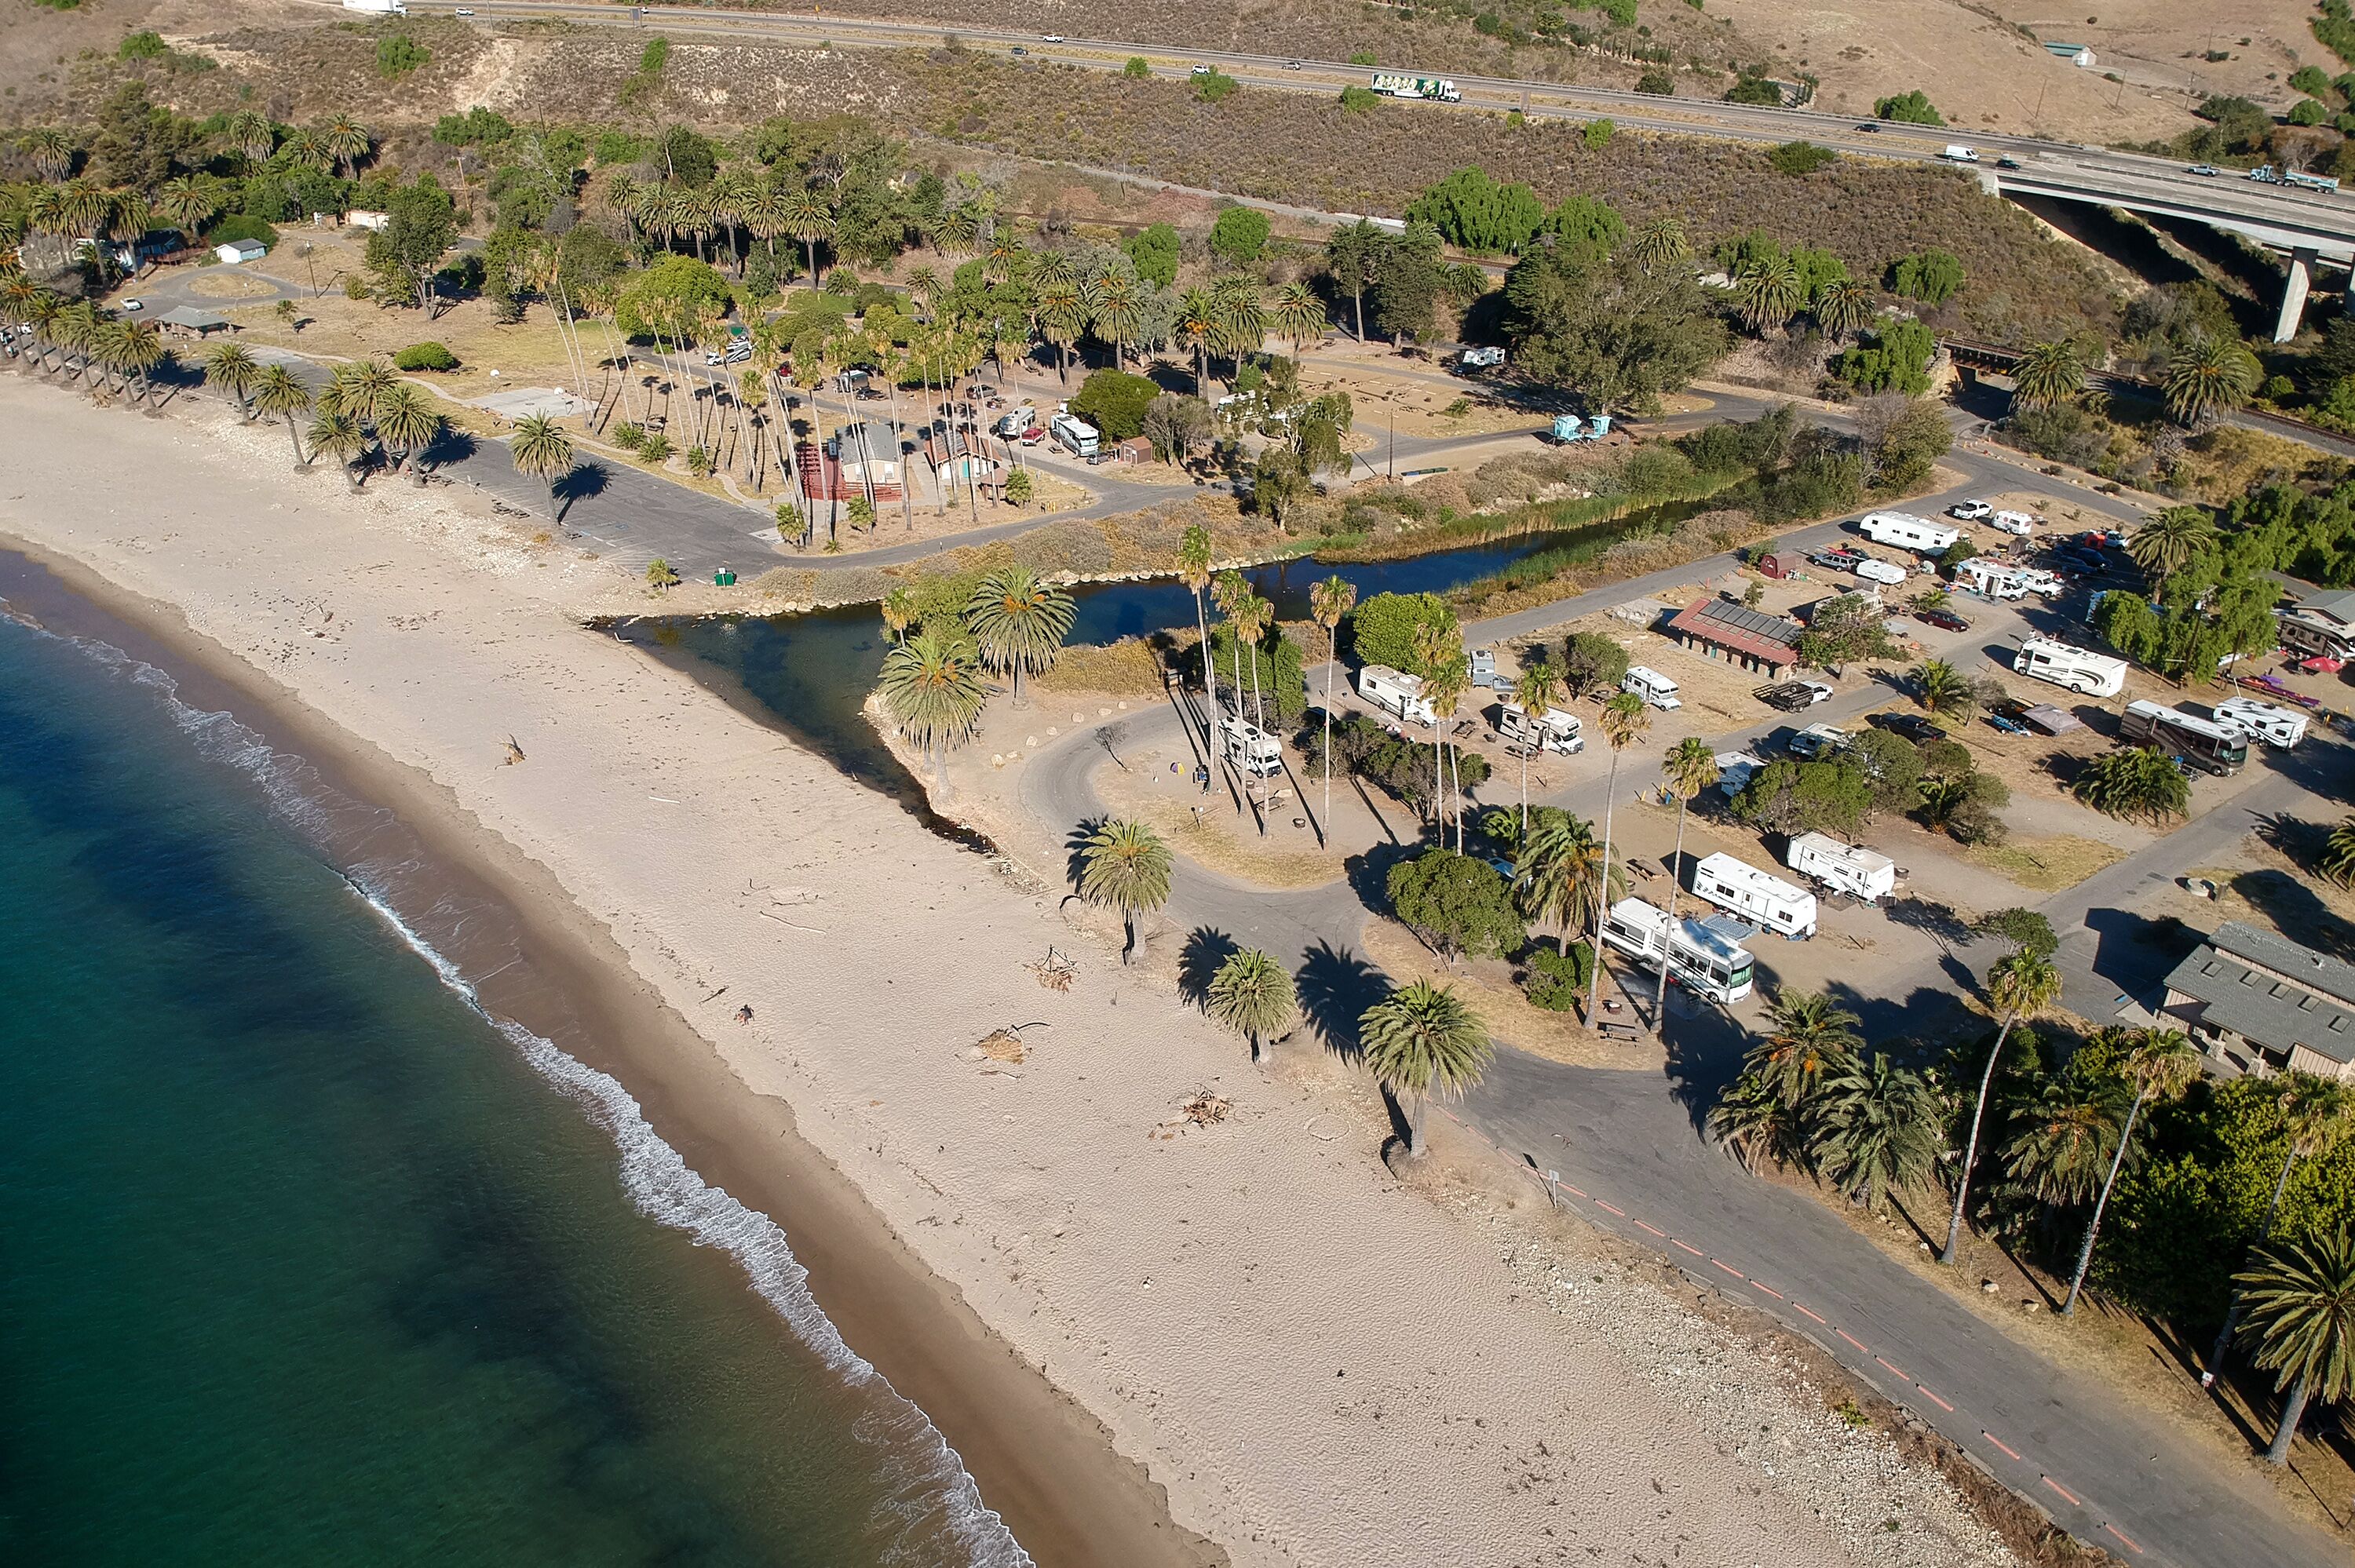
point(1944, 620)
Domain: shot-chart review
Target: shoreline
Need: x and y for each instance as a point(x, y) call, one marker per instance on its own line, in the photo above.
point(1041, 1463)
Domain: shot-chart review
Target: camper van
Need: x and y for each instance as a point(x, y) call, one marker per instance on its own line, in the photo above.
point(1844, 868)
point(1760, 897)
point(1554, 731)
point(1991, 579)
point(2269, 722)
point(1707, 962)
point(1396, 692)
point(1907, 531)
point(2218, 749)
point(1252, 749)
point(2091, 674)
point(1657, 690)
point(1482, 663)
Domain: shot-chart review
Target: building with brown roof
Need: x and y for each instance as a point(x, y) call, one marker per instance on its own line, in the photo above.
point(1717, 629)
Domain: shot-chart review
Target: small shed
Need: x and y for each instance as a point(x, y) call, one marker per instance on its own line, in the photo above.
point(1748, 638)
point(234, 251)
point(193, 323)
point(1781, 563)
point(1136, 448)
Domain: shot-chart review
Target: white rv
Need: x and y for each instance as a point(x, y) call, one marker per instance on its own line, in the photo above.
point(1873, 569)
point(2091, 674)
point(1698, 958)
point(1844, 868)
point(1655, 689)
point(1759, 897)
point(1904, 529)
point(1252, 749)
point(1395, 692)
point(1075, 434)
point(1989, 579)
point(1554, 731)
point(2269, 722)
point(1734, 770)
point(1022, 419)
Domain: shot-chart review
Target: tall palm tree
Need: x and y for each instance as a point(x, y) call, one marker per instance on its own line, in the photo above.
point(2212, 376)
point(2020, 986)
point(50, 150)
point(1766, 293)
point(1298, 315)
point(932, 686)
point(2301, 1311)
point(1194, 571)
point(1422, 1040)
point(1062, 316)
point(764, 209)
point(251, 133)
point(1020, 621)
point(1879, 1124)
point(1624, 719)
point(1328, 601)
point(1124, 866)
point(308, 147)
point(277, 393)
point(1116, 303)
point(232, 367)
point(1943, 689)
point(339, 436)
point(361, 387)
point(1559, 872)
point(1198, 329)
point(545, 453)
point(1446, 675)
point(1252, 996)
point(1809, 1039)
point(187, 202)
point(2318, 1116)
point(2049, 373)
point(2161, 1065)
point(2067, 1136)
point(136, 348)
point(2164, 545)
point(408, 423)
point(1842, 307)
point(808, 219)
point(1660, 243)
point(1689, 768)
point(1242, 319)
point(348, 141)
point(1535, 694)
point(1253, 615)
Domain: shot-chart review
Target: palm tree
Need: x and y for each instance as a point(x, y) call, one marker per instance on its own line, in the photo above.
point(407, 422)
point(1126, 867)
point(2210, 377)
point(899, 608)
point(1020, 621)
point(2067, 1137)
point(545, 453)
point(1535, 694)
point(1809, 1040)
point(1558, 872)
point(1253, 615)
point(1297, 315)
point(309, 148)
point(277, 393)
point(339, 436)
point(1842, 307)
point(2302, 1315)
point(2337, 862)
point(186, 202)
point(1062, 317)
point(1198, 328)
point(2317, 1115)
point(1116, 311)
point(361, 387)
point(809, 219)
point(1445, 681)
point(251, 133)
point(2165, 544)
point(50, 150)
point(1422, 1040)
point(1242, 319)
point(2161, 1065)
point(1194, 571)
point(763, 209)
point(932, 686)
point(1944, 690)
point(137, 348)
point(1624, 719)
point(232, 365)
point(2020, 986)
point(1756, 1126)
point(1660, 243)
point(1767, 292)
point(348, 141)
point(1328, 601)
point(1880, 1130)
point(1689, 768)
point(1252, 996)
point(2049, 373)
point(2139, 783)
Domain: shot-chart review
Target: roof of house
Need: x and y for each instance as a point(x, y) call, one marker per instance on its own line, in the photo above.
point(882, 441)
point(1740, 628)
point(242, 245)
point(2338, 607)
point(192, 319)
point(2269, 990)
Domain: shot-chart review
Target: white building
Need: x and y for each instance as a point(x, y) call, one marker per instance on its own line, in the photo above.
point(234, 251)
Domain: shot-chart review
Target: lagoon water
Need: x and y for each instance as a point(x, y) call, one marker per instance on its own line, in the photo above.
point(309, 1258)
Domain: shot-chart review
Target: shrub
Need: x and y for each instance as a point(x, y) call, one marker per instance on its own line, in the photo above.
point(1801, 158)
point(1362, 58)
point(2306, 111)
point(1659, 83)
point(1137, 68)
point(479, 127)
point(143, 46)
point(655, 55)
point(2309, 81)
point(238, 225)
point(629, 435)
point(1457, 904)
point(398, 54)
point(1238, 236)
point(1753, 86)
point(1897, 361)
point(1554, 979)
point(655, 450)
point(1598, 134)
point(1115, 401)
point(425, 356)
point(1359, 99)
point(1913, 108)
point(1215, 86)
point(1931, 276)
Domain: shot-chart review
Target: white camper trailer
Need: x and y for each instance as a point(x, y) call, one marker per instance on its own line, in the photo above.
point(2092, 674)
point(1907, 531)
point(1554, 730)
point(1757, 897)
point(1252, 749)
point(1844, 868)
point(2269, 722)
point(1395, 692)
point(1734, 770)
point(1702, 960)
point(1655, 689)
point(1991, 578)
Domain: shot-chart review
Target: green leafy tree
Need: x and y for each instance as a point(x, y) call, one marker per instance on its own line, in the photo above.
point(1620, 331)
point(2020, 986)
point(1354, 257)
point(1592, 663)
point(2160, 1066)
point(2317, 1116)
point(1457, 904)
point(1153, 250)
point(1125, 865)
point(422, 225)
point(2028, 931)
point(1238, 236)
point(1422, 1040)
point(1478, 214)
point(1019, 622)
point(1385, 629)
point(1932, 276)
point(2301, 1315)
point(1896, 359)
point(1252, 996)
point(1114, 402)
point(2134, 784)
point(1908, 107)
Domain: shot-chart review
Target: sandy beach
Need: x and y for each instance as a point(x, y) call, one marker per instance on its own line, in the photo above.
point(1150, 1343)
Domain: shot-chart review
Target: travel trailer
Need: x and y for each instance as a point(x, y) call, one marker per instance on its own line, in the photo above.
point(1707, 962)
point(1907, 531)
point(1851, 869)
point(1760, 897)
point(2269, 722)
point(1554, 730)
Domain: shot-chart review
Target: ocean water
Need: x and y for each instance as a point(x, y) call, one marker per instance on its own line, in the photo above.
point(311, 1256)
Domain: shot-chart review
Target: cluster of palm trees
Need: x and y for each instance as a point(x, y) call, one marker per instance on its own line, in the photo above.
point(934, 683)
point(78, 340)
point(1768, 292)
point(2202, 379)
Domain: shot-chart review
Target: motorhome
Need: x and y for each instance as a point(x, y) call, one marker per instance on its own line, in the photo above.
point(1851, 869)
point(1903, 528)
point(1395, 692)
point(2313, 637)
point(1252, 749)
point(1655, 689)
point(1076, 434)
point(2208, 746)
point(1553, 730)
point(1760, 897)
point(1990, 578)
point(2269, 722)
point(1734, 770)
point(2090, 674)
point(1707, 962)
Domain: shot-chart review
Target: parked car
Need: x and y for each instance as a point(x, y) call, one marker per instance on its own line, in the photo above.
point(1970, 510)
point(1842, 560)
point(134, 304)
point(1944, 620)
point(2008, 725)
point(2019, 524)
point(1911, 726)
point(1034, 435)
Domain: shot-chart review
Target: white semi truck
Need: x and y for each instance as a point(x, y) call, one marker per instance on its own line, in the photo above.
point(1397, 84)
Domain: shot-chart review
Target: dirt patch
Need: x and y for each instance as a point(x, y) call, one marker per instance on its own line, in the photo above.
point(1206, 832)
point(223, 284)
point(1488, 986)
point(2046, 863)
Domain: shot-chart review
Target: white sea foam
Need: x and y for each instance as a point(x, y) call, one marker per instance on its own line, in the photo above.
point(928, 1490)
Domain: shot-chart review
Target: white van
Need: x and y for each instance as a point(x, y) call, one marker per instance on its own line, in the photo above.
point(1395, 692)
point(1992, 579)
point(1764, 899)
point(1252, 749)
point(1552, 731)
point(2269, 722)
point(1657, 690)
point(1956, 152)
point(1873, 569)
point(2019, 525)
point(1907, 531)
point(1851, 869)
point(2091, 674)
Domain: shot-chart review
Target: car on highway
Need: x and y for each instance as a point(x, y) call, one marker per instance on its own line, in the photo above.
point(1911, 727)
point(1944, 620)
point(463, 13)
point(1050, 37)
point(1202, 70)
point(1866, 125)
point(1019, 50)
point(2007, 162)
point(1292, 65)
point(1970, 510)
point(2208, 170)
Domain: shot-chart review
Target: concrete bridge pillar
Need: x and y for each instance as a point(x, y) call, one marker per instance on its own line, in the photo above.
point(2294, 292)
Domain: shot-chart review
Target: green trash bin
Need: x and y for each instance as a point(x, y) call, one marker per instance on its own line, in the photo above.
point(723, 577)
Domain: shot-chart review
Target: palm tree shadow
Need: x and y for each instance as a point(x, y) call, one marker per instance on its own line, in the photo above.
point(1198, 961)
point(452, 446)
point(588, 479)
point(1076, 848)
point(1335, 989)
